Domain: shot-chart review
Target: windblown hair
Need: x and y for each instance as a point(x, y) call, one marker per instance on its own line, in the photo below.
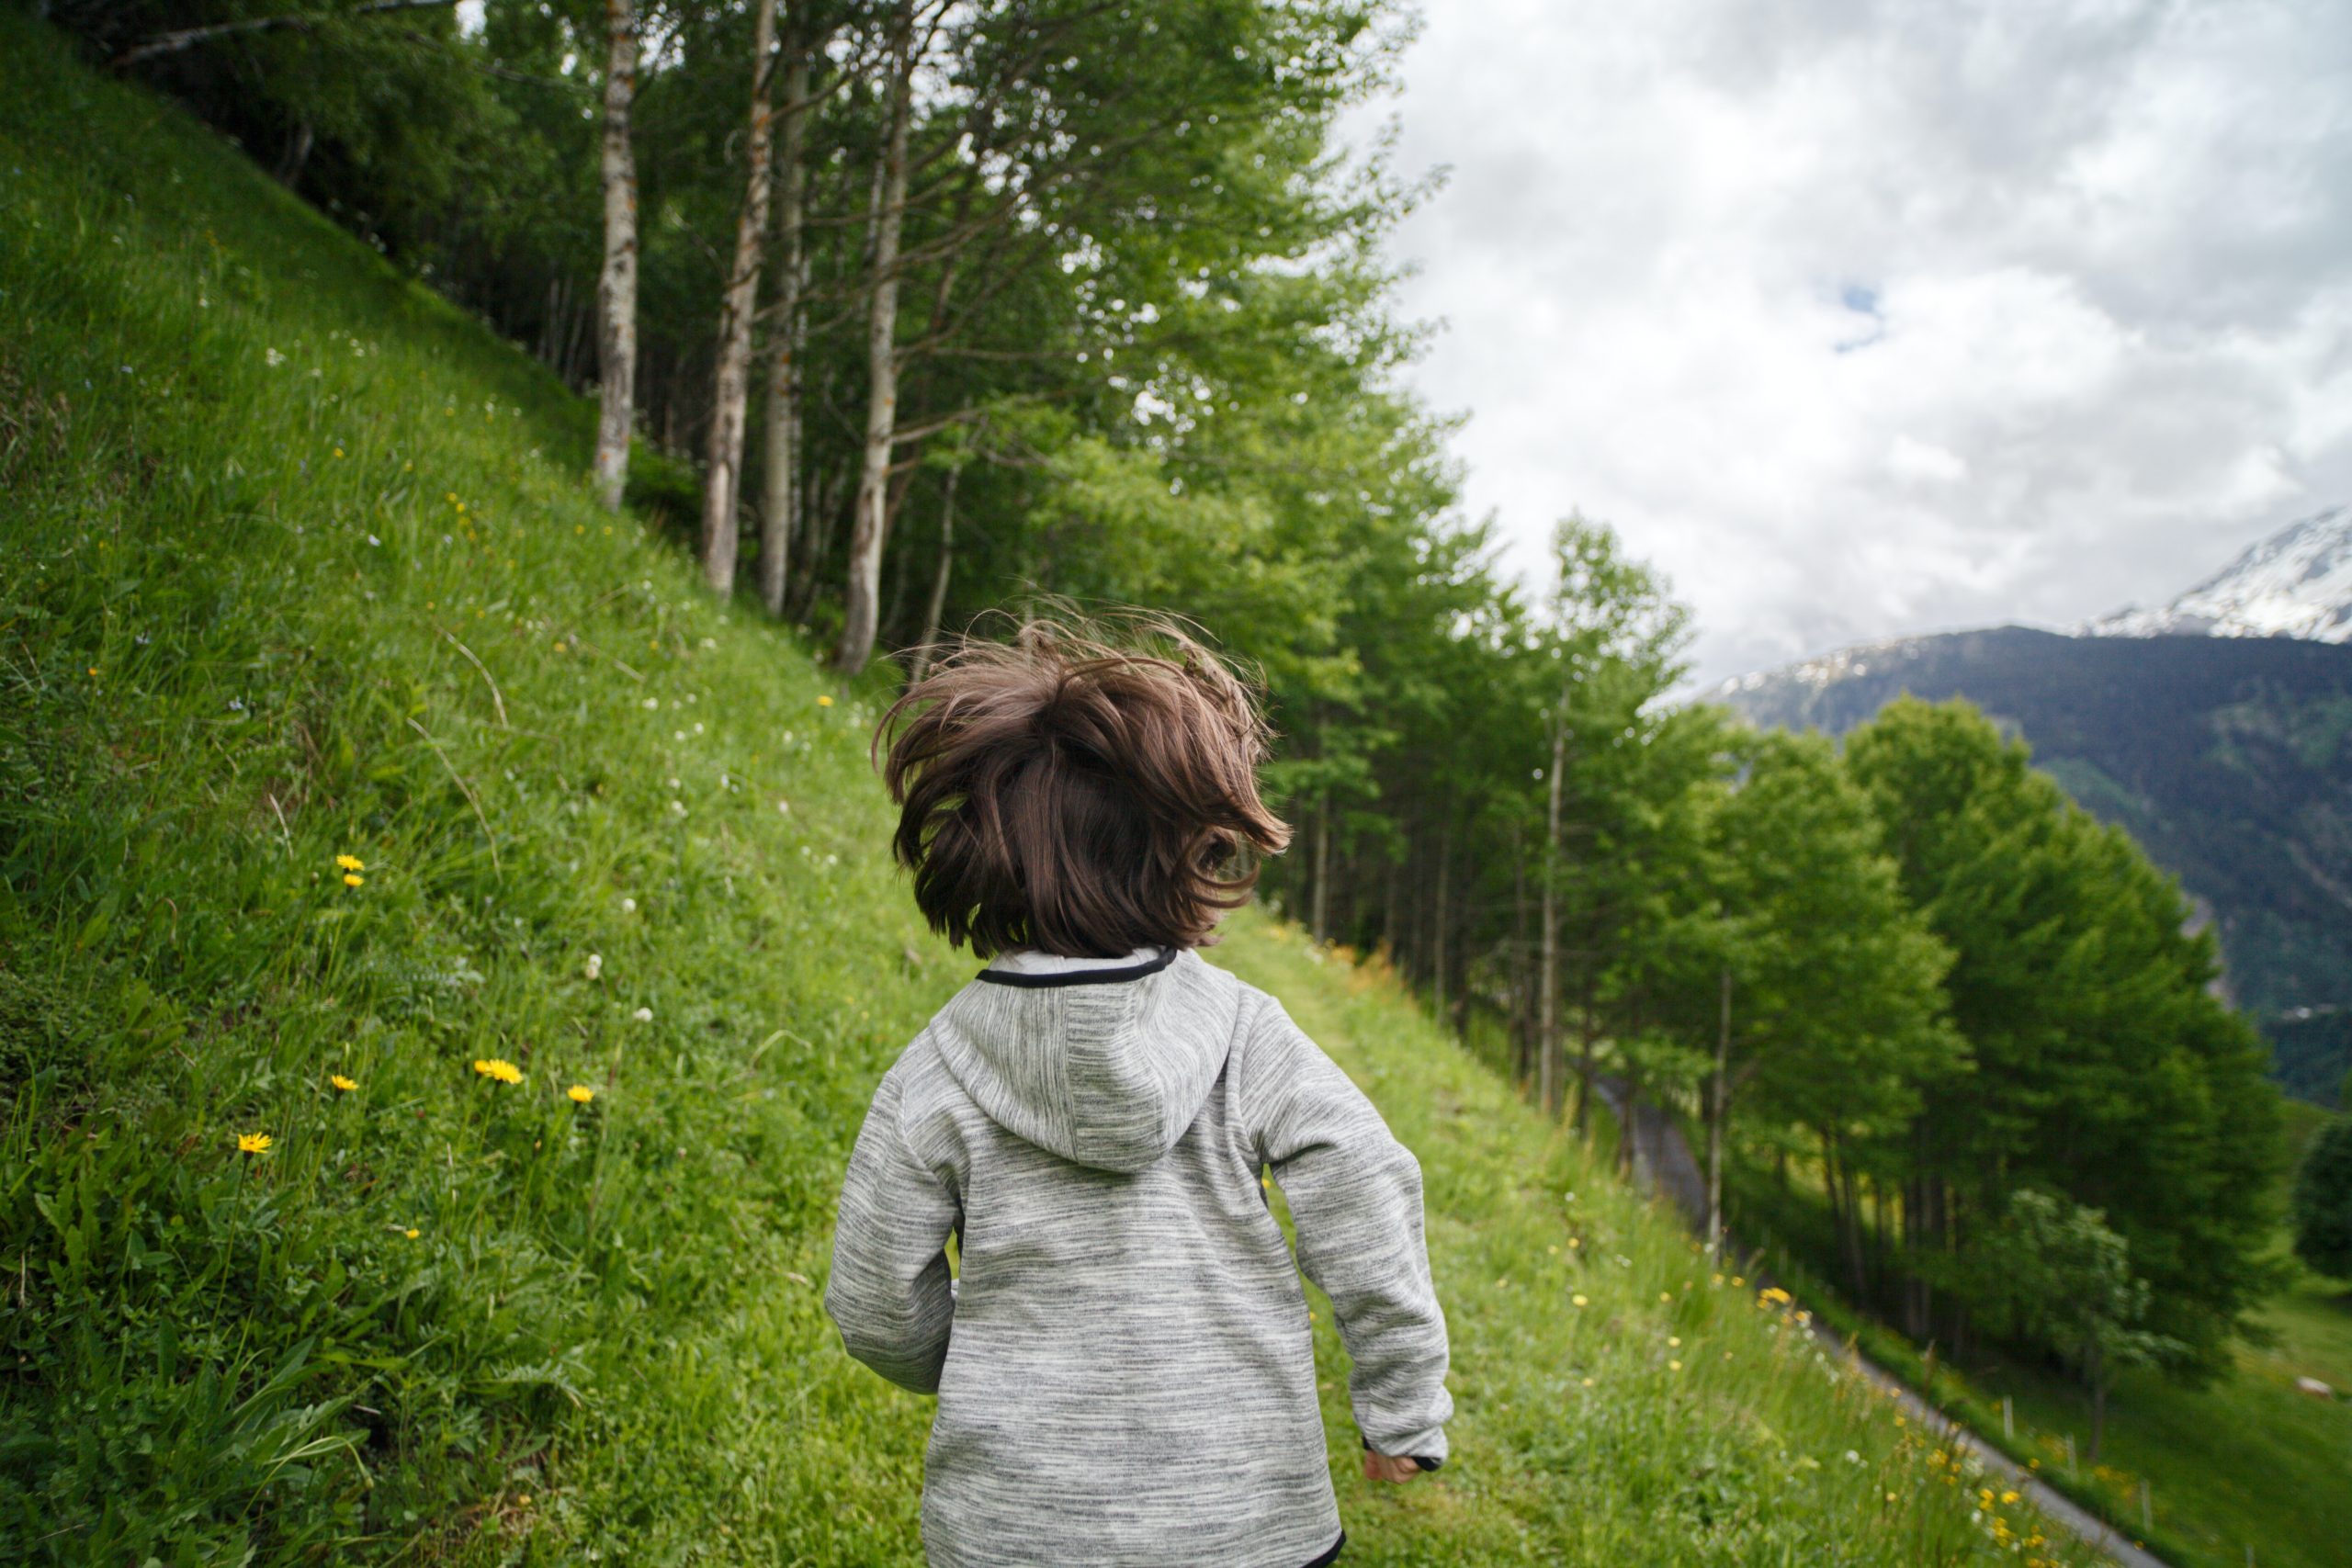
point(1063, 791)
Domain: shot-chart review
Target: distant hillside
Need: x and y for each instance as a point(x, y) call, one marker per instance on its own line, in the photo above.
point(2228, 758)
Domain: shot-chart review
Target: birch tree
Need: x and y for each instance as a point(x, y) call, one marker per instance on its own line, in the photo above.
point(862, 609)
point(780, 425)
point(731, 381)
point(616, 284)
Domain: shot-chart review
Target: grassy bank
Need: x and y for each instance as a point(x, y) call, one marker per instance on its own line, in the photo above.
point(445, 956)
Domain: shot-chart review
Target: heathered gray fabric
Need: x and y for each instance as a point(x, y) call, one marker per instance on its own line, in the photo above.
point(1125, 1370)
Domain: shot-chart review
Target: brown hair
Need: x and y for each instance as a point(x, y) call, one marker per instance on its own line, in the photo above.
point(1064, 792)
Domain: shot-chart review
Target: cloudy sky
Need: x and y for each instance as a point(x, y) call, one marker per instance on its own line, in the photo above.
point(1865, 319)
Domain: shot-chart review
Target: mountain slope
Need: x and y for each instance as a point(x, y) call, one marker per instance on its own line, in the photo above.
point(2298, 582)
point(365, 789)
point(2228, 759)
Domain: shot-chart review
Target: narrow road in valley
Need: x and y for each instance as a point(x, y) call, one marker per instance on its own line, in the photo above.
point(1664, 1165)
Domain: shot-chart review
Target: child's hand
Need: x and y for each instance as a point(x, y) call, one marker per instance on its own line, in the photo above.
point(1388, 1467)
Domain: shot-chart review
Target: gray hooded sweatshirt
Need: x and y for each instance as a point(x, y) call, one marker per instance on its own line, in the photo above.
point(1125, 1370)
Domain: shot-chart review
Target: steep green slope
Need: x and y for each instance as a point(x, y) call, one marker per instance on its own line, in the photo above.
point(298, 572)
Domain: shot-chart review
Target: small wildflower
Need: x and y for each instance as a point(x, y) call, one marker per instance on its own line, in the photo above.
point(580, 1093)
point(412, 1233)
point(1674, 1341)
point(353, 879)
point(1674, 1366)
point(629, 905)
point(252, 1143)
point(498, 1067)
point(351, 862)
point(595, 967)
point(1578, 1300)
point(824, 702)
point(643, 1015)
point(342, 1085)
point(338, 451)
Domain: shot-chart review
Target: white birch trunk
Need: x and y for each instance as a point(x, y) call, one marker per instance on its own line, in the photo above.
point(780, 489)
point(863, 601)
point(616, 284)
point(724, 463)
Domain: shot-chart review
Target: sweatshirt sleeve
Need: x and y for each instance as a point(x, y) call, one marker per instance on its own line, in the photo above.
point(1355, 1194)
point(890, 1293)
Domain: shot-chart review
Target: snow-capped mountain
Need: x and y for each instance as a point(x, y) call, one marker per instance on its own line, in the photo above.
point(2298, 582)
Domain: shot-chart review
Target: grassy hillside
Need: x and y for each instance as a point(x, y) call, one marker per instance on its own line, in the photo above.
point(365, 790)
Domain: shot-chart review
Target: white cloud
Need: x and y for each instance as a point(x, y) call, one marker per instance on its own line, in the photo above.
point(1866, 320)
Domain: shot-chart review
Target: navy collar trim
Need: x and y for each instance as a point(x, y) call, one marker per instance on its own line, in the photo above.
point(1081, 977)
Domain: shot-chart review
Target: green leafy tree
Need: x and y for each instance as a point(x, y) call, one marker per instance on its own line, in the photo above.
point(2321, 1211)
point(2102, 1066)
point(2066, 1280)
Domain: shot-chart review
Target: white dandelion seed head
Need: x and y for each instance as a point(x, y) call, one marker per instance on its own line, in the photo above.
point(595, 967)
point(629, 905)
point(643, 1015)
point(651, 703)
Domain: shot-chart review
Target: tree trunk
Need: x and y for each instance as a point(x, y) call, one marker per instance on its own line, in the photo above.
point(1321, 908)
point(1547, 1012)
point(1588, 1037)
point(732, 379)
point(862, 604)
point(616, 285)
point(2099, 1405)
point(1522, 1067)
point(1444, 861)
point(1718, 1110)
point(938, 605)
point(780, 446)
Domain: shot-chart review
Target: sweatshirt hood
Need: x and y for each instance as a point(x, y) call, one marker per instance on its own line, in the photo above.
point(1103, 1068)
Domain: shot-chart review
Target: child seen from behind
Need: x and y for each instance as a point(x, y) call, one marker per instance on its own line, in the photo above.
point(1124, 1367)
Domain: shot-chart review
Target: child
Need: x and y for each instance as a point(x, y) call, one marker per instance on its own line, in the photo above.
point(1125, 1371)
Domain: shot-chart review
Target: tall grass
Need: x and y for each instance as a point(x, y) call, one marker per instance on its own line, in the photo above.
point(298, 571)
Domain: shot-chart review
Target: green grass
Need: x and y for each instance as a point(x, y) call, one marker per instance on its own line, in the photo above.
point(2249, 1462)
point(298, 563)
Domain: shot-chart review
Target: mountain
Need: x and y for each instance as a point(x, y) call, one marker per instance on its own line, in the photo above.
point(2298, 582)
point(2227, 757)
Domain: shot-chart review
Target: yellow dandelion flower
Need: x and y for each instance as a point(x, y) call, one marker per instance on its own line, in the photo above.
point(353, 879)
point(1674, 1341)
point(580, 1093)
point(2008, 1497)
point(1578, 1300)
point(824, 702)
point(1674, 1366)
point(342, 1083)
point(351, 862)
point(338, 451)
point(412, 1233)
point(252, 1143)
point(498, 1067)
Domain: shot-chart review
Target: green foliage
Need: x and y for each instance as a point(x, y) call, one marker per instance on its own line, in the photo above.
point(2225, 757)
point(2321, 1208)
point(2103, 1066)
point(2065, 1281)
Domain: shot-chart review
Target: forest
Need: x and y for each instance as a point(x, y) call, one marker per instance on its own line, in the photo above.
point(898, 315)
